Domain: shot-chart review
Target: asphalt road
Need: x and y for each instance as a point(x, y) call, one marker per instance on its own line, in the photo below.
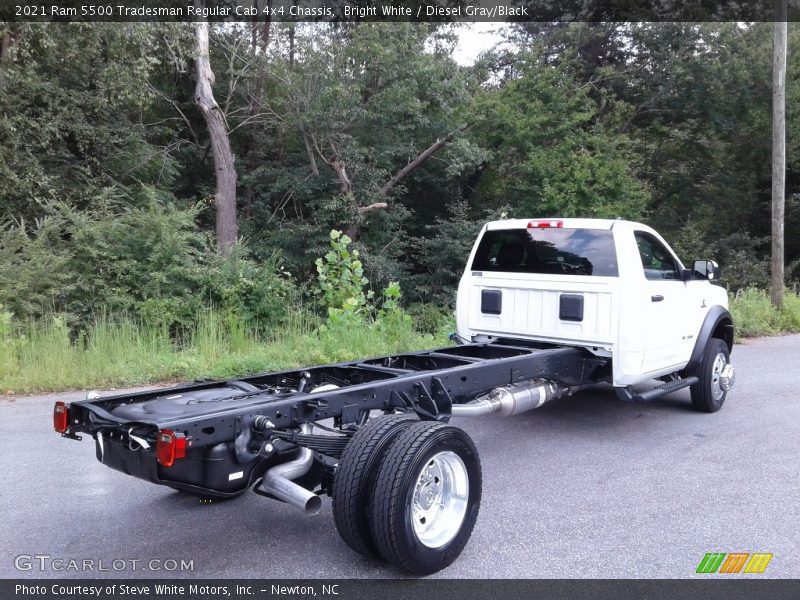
point(586, 486)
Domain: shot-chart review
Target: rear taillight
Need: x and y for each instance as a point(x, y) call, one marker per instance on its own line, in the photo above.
point(544, 224)
point(170, 446)
point(60, 417)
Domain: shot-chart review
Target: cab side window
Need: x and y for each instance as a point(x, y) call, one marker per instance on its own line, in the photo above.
point(657, 261)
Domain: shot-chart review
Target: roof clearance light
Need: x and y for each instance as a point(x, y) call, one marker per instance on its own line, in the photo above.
point(60, 417)
point(170, 446)
point(544, 224)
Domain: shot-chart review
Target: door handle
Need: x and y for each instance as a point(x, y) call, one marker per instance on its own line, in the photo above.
point(657, 298)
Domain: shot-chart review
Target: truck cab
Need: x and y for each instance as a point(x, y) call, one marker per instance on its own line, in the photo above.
point(614, 287)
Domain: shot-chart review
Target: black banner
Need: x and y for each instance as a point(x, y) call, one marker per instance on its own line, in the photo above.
point(438, 589)
point(399, 10)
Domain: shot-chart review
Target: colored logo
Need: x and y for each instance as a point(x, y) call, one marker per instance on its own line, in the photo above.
point(735, 562)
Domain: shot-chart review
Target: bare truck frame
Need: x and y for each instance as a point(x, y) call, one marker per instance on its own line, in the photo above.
point(221, 438)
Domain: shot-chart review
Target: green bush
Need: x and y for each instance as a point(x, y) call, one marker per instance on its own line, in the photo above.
point(341, 282)
point(255, 293)
point(144, 257)
point(35, 273)
point(442, 254)
point(428, 318)
point(790, 314)
point(254, 327)
point(754, 315)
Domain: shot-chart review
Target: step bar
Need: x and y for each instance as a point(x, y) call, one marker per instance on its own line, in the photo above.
point(657, 392)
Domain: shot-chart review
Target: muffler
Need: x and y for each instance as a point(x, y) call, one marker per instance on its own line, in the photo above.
point(511, 400)
point(278, 481)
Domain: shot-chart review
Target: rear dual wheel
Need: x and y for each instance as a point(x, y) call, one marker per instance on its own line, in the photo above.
point(427, 497)
point(419, 497)
point(355, 479)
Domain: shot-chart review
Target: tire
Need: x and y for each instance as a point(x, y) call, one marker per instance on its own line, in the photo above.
point(707, 395)
point(434, 457)
point(354, 482)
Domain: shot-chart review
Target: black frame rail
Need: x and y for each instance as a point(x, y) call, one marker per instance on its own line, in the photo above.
point(427, 382)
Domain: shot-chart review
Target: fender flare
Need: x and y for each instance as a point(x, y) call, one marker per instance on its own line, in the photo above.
point(717, 324)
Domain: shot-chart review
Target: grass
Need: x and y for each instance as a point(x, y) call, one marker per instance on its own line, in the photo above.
point(754, 315)
point(41, 356)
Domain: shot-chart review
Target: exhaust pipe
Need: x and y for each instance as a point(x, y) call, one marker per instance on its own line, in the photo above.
point(278, 481)
point(511, 400)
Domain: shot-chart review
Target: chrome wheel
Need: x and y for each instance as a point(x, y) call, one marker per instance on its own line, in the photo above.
point(716, 372)
point(439, 501)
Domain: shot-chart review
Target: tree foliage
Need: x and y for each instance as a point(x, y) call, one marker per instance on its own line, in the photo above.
point(107, 180)
point(553, 151)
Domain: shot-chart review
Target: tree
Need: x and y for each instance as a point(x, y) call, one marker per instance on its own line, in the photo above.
point(687, 96)
point(553, 151)
point(75, 103)
point(372, 107)
point(778, 159)
point(224, 170)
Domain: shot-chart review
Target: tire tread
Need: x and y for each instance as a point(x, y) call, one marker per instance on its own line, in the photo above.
point(351, 502)
point(389, 493)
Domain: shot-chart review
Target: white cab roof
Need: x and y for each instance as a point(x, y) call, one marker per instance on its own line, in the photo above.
point(567, 223)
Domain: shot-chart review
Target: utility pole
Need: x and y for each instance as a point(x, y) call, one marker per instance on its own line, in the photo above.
point(778, 152)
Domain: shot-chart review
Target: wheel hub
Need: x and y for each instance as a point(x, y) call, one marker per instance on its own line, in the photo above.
point(439, 500)
point(722, 376)
point(727, 377)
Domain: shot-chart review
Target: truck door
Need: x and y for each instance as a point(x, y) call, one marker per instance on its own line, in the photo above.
point(663, 301)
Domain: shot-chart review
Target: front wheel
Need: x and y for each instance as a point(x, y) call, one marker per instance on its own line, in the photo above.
point(427, 497)
point(716, 377)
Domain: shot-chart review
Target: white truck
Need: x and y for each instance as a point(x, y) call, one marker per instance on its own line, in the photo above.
point(613, 287)
point(544, 308)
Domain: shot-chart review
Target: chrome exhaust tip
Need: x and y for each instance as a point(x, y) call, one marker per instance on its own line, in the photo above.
point(278, 482)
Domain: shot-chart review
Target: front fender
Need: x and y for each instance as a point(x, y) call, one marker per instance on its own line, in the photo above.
point(717, 324)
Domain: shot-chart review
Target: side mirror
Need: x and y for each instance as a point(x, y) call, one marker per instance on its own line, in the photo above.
point(706, 269)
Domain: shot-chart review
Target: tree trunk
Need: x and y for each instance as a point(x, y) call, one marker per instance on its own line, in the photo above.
point(291, 45)
point(778, 156)
point(225, 197)
point(8, 37)
point(5, 45)
point(259, 40)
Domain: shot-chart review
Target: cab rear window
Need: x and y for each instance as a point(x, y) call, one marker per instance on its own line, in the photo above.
point(548, 251)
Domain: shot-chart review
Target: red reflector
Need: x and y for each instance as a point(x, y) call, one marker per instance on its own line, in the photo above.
point(544, 224)
point(60, 417)
point(170, 446)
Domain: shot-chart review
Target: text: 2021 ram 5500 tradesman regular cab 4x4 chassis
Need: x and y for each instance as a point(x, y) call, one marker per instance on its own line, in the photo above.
point(545, 307)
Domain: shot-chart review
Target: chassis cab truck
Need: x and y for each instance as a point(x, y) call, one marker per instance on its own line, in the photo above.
point(613, 287)
point(544, 308)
